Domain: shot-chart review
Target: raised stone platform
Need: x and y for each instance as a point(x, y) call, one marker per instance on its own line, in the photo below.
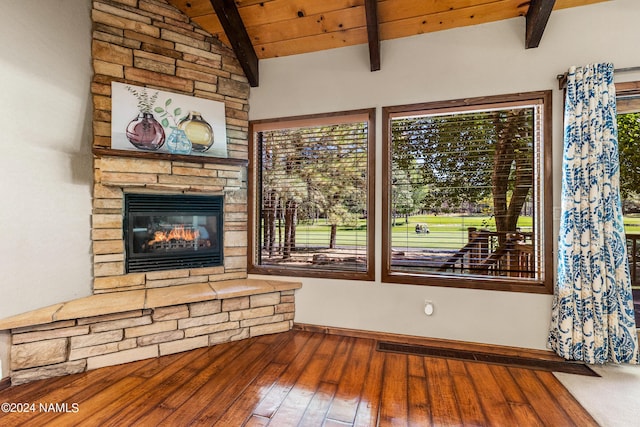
point(119, 327)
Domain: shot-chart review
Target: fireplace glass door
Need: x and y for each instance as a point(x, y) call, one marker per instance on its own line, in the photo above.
point(165, 232)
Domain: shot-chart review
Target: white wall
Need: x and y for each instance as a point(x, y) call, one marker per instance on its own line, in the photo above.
point(45, 161)
point(483, 60)
point(45, 157)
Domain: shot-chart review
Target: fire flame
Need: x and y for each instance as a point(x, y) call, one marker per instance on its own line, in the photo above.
point(176, 233)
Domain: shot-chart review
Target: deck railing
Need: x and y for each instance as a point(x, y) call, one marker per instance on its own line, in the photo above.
point(491, 253)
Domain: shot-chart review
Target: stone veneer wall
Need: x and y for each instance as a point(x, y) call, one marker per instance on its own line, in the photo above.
point(150, 43)
point(73, 346)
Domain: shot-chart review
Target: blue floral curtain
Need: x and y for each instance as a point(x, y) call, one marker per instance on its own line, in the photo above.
point(592, 316)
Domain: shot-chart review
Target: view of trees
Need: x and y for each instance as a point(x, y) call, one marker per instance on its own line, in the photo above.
point(311, 175)
point(629, 151)
point(464, 160)
point(463, 197)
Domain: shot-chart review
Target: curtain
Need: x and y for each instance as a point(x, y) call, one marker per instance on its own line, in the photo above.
point(592, 315)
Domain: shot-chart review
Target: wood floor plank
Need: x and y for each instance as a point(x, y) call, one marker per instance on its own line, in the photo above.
point(272, 401)
point(368, 408)
point(347, 396)
point(156, 373)
point(259, 357)
point(442, 394)
point(566, 400)
point(252, 395)
point(336, 367)
point(525, 415)
point(543, 403)
point(218, 358)
point(160, 383)
point(98, 400)
point(393, 403)
point(38, 389)
point(217, 384)
point(292, 408)
point(419, 405)
point(518, 403)
point(76, 389)
point(467, 397)
point(256, 421)
point(306, 379)
point(510, 389)
point(495, 406)
point(316, 411)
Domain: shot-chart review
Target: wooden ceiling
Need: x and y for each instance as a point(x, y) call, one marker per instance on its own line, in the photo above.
point(258, 29)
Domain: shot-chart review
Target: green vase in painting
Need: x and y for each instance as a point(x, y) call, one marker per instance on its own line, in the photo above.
point(198, 131)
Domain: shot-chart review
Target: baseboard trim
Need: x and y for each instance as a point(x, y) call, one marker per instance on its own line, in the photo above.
point(5, 383)
point(432, 342)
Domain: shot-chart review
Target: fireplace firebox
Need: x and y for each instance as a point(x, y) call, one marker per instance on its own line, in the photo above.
point(166, 232)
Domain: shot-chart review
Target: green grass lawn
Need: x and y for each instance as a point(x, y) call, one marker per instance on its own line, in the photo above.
point(632, 223)
point(446, 231)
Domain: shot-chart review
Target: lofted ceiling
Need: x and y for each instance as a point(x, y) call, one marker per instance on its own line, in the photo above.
point(259, 29)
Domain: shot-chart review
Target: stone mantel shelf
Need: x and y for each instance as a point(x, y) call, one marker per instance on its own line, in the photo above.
point(118, 302)
point(166, 156)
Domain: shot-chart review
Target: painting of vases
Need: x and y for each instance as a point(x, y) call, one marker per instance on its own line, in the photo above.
point(149, 120)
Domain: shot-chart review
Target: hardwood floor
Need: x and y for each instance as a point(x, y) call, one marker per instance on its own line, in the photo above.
point(298, 378)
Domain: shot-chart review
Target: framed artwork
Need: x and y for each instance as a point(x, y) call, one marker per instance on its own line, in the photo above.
point(154, 121)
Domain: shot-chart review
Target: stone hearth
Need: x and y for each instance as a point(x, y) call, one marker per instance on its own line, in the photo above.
point(120, 327)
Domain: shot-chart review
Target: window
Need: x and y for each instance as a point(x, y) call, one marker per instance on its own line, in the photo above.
point(628, 109)
point(311, 196)
point(467, 193)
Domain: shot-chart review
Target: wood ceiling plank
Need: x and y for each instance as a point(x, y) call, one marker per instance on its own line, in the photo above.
point(496, 11)
point(210, 23)
point(330, 22)
point(282, 10)
point(245, 3)
point(334, 21)
point(313, 43)
point(193, 8)
point(286, 27)
point(393, 10)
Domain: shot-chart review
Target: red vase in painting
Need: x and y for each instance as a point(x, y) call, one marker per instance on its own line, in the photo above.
point(145, 132)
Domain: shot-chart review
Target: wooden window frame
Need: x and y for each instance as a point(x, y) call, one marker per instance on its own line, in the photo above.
point(543, 286)
point(367, 115)
point(627, 88)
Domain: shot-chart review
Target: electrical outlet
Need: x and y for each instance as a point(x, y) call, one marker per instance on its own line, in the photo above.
point(428, 307)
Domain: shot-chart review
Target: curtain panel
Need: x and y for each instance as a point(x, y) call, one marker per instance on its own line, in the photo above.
point(592, 315)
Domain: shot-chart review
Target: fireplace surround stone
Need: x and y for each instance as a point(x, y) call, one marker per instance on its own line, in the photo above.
point(133, 316)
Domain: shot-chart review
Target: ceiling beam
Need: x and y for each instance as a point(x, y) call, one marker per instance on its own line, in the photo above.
point(537, 18)
point(238, 37)
point(371, 11)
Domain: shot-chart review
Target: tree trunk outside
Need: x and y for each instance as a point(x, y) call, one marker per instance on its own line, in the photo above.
point(290, 214)
point(506, 153)
point(269, 218)
point(332, 238)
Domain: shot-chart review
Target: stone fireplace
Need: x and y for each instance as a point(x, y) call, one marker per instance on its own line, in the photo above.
point(149, 43)
point(115, 181)
point(138, 313)
point(172, 231)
